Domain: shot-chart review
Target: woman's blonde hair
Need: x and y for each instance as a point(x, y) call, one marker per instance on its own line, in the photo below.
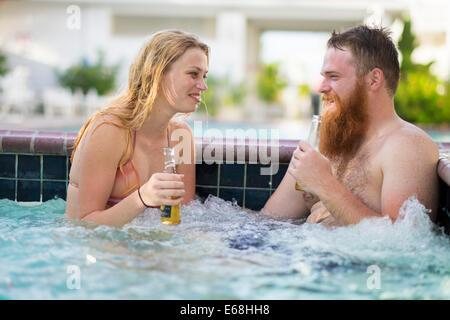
point(133, 106)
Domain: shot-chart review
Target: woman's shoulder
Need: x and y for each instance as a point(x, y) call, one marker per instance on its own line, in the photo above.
point(108, 124)
point(107, 130)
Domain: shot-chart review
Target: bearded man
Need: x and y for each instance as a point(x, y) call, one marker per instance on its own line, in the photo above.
point(370, 160)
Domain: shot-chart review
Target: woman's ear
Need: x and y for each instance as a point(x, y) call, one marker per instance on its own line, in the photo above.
point(375, 79)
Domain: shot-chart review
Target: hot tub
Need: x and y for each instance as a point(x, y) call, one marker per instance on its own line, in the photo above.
point(221, 250)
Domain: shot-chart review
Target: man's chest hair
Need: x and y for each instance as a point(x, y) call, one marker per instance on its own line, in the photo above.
point(353, 173)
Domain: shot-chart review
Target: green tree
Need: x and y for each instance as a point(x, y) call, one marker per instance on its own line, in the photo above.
point(234, 93)
point(211, 97)
point(421, 97)
point(86, 76)
point(406, 45)
point(270, 83)
point(221, 92)
point(3, 66)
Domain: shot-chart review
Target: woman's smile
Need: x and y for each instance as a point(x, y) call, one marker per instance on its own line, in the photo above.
point(196, 97)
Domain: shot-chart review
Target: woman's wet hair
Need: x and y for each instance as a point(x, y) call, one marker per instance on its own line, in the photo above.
point(132, 107)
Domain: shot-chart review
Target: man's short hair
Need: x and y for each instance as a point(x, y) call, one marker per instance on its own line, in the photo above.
point(371, 48)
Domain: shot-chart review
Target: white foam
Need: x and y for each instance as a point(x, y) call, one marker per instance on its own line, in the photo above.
point(372, 239)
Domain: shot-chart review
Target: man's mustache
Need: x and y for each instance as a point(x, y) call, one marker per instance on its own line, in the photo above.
point(329, 97)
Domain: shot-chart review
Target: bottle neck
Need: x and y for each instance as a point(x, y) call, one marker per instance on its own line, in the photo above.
point(169, 160)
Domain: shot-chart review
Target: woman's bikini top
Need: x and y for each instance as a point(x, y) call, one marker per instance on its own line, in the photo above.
point(129, 172)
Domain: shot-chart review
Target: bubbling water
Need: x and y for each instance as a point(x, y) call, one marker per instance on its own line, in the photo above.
point(221, 251)
point(412, 252)
point(412, 229)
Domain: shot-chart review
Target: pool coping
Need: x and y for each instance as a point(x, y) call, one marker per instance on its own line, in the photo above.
point(61, 143)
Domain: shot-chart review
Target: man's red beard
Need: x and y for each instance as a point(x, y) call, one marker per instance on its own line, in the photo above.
point(344, 127)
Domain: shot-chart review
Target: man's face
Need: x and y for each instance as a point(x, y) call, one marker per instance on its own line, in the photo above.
point(345, 119)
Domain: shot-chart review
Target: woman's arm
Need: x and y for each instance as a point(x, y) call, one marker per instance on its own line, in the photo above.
point(185, 147)
point(127, 209)
point(98, 158)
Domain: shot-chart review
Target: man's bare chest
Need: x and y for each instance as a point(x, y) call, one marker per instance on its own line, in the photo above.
point(362, 176)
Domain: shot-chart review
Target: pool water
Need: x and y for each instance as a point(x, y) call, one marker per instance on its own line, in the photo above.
point(219, 251)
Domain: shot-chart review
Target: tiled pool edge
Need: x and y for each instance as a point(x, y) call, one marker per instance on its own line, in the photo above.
point(34, 166)
point(444, 193)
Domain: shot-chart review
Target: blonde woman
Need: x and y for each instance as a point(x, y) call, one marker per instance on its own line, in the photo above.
point(117, 161)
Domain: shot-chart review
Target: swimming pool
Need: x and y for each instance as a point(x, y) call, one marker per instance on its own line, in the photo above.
point(219, 251)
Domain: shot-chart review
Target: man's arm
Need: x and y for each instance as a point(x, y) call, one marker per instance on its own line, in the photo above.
point(287, 202)
point(408, 167)
point(344, 206)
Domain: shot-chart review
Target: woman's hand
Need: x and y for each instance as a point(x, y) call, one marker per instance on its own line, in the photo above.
point(163, 189)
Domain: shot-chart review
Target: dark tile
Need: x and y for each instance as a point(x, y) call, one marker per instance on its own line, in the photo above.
point(7, 189)
point(256, 199)
point(447, 203)
point(28, 190)
point(206, 175)
point(232, 175)
point(7, 165)
point(54, 167)
point(444, 192)
point(276, 178)
point(29, 167)
point(52, 189)
point(255, 178)
point(443, 201)
point(231, 194)
point(204, 192)
point(70, 167)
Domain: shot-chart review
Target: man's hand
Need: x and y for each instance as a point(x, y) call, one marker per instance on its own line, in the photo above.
point(309, 168)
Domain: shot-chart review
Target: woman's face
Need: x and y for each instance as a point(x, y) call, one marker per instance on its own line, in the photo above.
point(185, 80)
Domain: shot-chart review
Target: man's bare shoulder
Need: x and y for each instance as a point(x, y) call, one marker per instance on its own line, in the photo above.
point(408, 140)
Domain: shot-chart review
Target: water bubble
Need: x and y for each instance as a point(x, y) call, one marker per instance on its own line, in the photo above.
point(220, 249)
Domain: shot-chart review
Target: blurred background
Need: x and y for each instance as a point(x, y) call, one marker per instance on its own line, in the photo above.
point(61, 61)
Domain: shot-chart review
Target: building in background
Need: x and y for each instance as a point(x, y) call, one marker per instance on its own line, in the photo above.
point(45, 35)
